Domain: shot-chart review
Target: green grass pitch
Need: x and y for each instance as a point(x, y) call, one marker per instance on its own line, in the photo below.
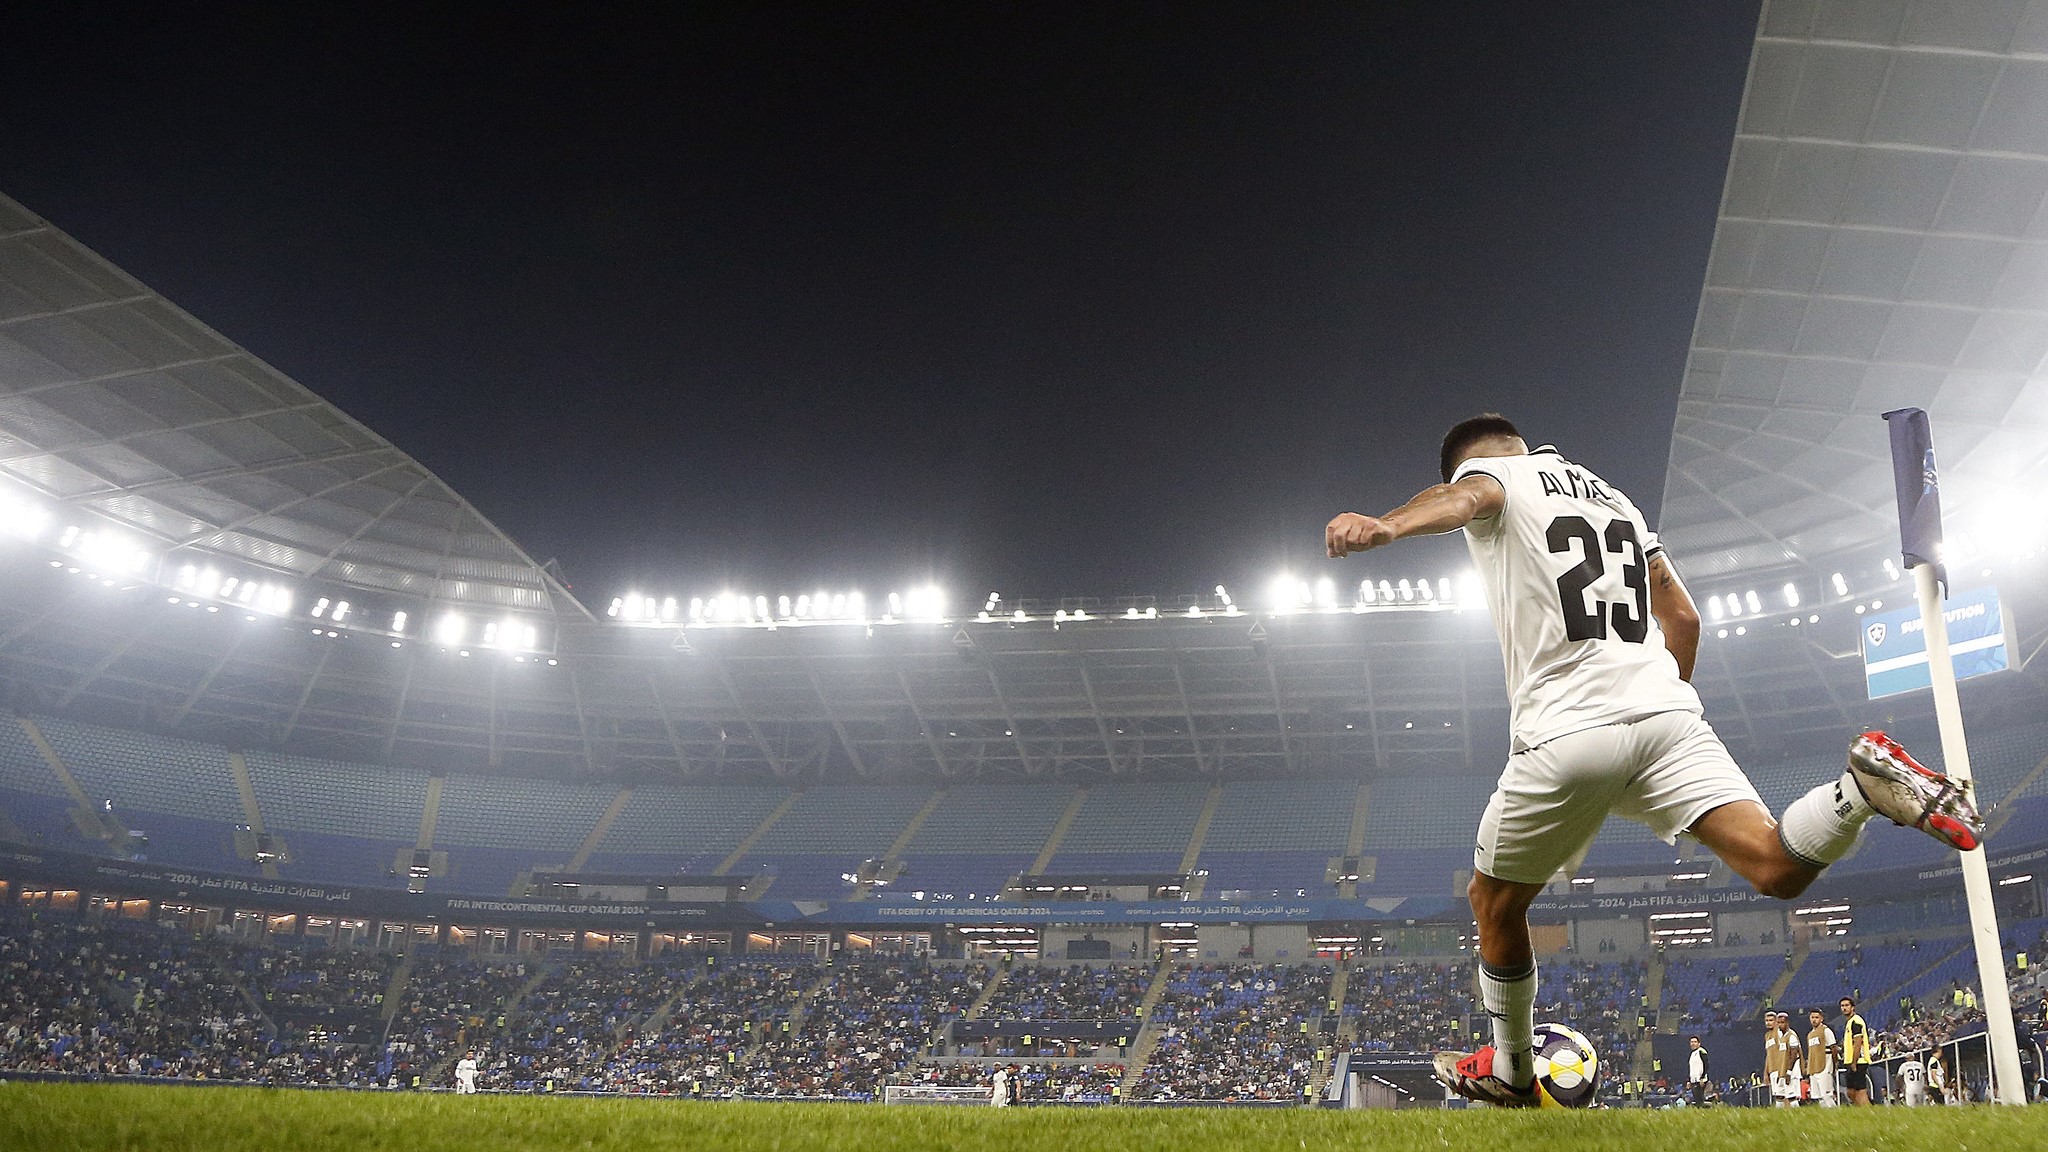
point(91, 1118)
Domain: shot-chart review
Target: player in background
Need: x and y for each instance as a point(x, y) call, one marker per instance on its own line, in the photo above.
point(1820, 1060)
point(1791, 1062)
point(1855, 1055)
point(465, 1075)
point(999, 1087)
point(1912, 1081)
point(1696, 1073)
point(1598, 636)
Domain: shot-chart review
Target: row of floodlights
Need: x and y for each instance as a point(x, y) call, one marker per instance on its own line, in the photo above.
point(926, 603)
point(109, 558)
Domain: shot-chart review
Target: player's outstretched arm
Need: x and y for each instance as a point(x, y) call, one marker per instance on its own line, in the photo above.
point(1677, 616)
point(1436, 509)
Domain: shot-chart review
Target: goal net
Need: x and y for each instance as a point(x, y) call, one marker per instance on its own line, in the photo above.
point(933, 1094)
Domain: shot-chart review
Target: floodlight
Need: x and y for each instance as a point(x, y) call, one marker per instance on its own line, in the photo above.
point(1365, 592)
point(1387, 591)
point(895, 604)
point(1754, 601)
point(839, 605)
point(782, 607)
point(1876, 604)
point(696, 607)
point(249, 590)
point(450, 629)
point(613, 611)
point(668, 608)
point(1326, 592)
point(398, 621)
point(1841, 585)
point(1443, 588)
point(761, 607)
point(1741, 630)
point(1714, 610)
point(319, 609)
point(67, 537)
point(1791, 595)
point(228, 589)
point(1407, 591)
point(1428, 593)
point(1891, 570)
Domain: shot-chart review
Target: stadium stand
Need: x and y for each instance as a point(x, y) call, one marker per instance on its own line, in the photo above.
point(1411, 1006)
point(1311, 818)
point(665, 830)
point(1241, 1032)
point(1076, 992)
point(1712, 993)
point(1125, 828)
point(342, 821)
point(979, 836)
point(494, 828)
point(177, 794)
point(863, 1027)
point(30, 794)
point(826, 834)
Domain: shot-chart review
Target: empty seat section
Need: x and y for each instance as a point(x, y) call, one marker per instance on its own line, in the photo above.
point(31, 795)
point(1251, 875)
point(342, 821)
point(1419, 830)
point(179, 794)
point(494, 827)
point(683, 829)
point(827, 833)
point(981, 835)
point(1276, 837)
point(1131, 828)
point(147, 773)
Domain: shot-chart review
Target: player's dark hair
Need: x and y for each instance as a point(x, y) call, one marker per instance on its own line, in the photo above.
point(1466, 433)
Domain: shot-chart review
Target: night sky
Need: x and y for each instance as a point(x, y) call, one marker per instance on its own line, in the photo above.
point(1058, 300)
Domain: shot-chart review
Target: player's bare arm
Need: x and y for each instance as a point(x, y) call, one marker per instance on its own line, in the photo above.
point(1676, 614)
point(1436, 509)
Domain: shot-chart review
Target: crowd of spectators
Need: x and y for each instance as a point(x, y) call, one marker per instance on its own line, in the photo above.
point(1076, 992)
point(1237, 1032)
point(1711, 994)
point(1604, 999)
point(865, 1025)
point(1045, 1083)
point(115, 998)
point(1410, 1006)
point(87, 996)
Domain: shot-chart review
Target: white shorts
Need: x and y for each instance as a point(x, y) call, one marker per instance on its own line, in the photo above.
point(1665, 770)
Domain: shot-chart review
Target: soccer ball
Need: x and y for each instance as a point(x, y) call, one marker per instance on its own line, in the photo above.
point(1567, 1068)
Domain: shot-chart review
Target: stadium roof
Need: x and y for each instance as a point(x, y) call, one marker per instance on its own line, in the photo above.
point(1882, 242)
point(116, 401)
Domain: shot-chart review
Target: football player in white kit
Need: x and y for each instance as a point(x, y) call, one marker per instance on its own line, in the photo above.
point(465, 1074)
point(1598, 636)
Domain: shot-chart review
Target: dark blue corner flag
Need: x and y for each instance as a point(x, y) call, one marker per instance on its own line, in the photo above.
point(1918, 487)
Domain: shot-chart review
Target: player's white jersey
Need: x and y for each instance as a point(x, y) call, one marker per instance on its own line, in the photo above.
point(1566, 566)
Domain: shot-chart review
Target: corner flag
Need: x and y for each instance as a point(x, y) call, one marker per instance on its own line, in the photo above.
point(1918, 487)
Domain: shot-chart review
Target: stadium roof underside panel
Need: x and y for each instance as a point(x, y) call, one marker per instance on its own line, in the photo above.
point(1882, 242)
point(1188, 699)
point(115, 401)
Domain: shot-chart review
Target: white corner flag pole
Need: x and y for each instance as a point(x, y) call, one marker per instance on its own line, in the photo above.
point(2006, 1085)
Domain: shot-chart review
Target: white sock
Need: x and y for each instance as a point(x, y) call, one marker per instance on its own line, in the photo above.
point(1510, 1000)
point(1821, 826)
